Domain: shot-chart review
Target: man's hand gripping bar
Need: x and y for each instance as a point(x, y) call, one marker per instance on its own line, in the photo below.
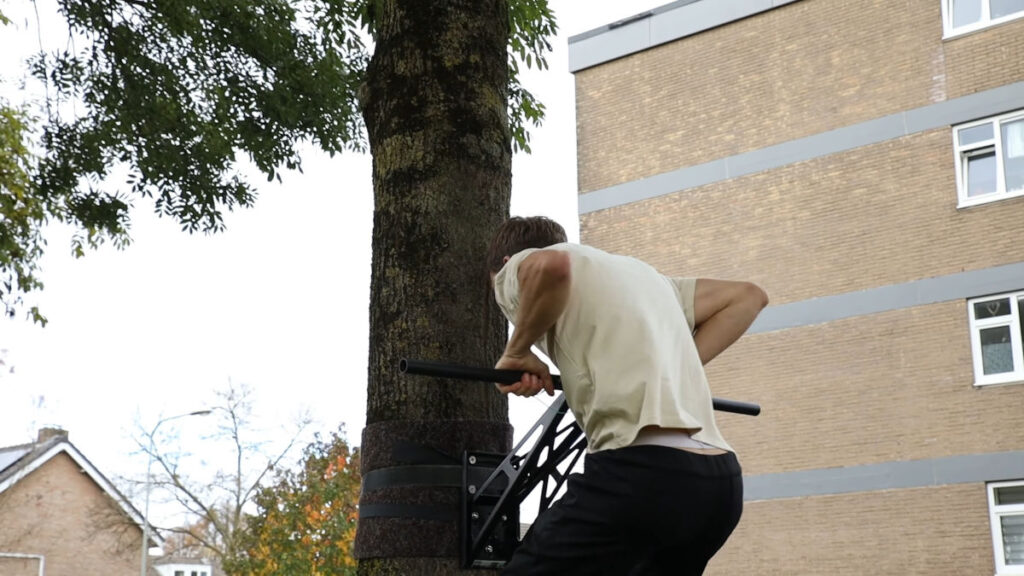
point(461, 372)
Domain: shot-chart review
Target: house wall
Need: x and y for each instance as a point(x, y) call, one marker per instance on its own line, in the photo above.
point(57, 511)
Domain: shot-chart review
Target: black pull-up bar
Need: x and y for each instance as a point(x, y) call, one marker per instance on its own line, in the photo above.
point(461, 372)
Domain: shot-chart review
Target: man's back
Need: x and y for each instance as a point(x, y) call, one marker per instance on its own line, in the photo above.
point(624, 348)
point(623, 336)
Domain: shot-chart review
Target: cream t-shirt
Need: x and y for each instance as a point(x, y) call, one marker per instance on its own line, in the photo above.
point(624, 348)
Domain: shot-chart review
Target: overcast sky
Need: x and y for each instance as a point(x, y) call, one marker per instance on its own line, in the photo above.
point(279, 301)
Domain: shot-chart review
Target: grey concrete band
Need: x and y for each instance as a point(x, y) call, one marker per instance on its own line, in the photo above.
point(658, 26)
point(943, 114)
point(959, 286)
point(965, 469)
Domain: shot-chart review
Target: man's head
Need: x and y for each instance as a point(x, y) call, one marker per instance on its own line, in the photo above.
point(518, 234)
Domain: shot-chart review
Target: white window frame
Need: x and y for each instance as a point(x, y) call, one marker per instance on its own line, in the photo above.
point(995, 513)
point(961, 153)
point(1013, 320)
point(986, 20)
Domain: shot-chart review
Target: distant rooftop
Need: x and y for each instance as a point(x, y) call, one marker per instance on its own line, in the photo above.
point(15, 458)
point(657, 26)
point(9, 456)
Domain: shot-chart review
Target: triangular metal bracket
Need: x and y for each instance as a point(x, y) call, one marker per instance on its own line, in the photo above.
point(490, 509)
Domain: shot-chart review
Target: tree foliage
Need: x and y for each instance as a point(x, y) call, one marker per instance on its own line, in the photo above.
point(182, 96)
point(22, 210)
point(306, 521)
point(21, 213)
point(531, 24)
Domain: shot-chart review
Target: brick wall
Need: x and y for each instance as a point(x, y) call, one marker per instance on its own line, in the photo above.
point(872, 216)
point(58, 511)
point(791, 72)
point(937, 531)
point(885, 387)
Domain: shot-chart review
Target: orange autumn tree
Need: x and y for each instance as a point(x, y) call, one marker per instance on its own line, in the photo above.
point(306, 520)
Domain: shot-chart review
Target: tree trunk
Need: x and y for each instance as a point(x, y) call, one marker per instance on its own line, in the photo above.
point(435, 105)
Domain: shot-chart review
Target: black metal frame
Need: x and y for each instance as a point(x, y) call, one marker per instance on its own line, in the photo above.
point(489, 520)
point(487, 513)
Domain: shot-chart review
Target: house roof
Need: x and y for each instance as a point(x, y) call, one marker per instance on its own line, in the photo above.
point(183, 560)
point(17, 462)
point(175, 562)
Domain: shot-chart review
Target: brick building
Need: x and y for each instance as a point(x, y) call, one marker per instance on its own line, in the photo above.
point(59, 516)
point(863, 161)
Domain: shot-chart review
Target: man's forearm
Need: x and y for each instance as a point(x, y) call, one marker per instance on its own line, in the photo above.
point(544, 281)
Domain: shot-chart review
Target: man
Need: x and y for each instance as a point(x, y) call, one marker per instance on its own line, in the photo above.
point(661, 490)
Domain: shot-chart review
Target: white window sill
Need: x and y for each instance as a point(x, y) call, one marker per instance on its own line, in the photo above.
point(1007, 380)
point(971, 29)
point(988, 199)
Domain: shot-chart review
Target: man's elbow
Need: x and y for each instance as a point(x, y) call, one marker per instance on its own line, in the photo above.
point(754, 296)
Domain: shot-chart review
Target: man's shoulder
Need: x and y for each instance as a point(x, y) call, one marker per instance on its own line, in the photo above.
point(578, 249)
point(597, 255)
point(570, 247)
point(581, 255)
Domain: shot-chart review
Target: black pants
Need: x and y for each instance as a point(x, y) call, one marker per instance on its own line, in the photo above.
point(637, 511)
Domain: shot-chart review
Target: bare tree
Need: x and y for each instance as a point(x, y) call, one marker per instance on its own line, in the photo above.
point(213, 497)
point(5, 368)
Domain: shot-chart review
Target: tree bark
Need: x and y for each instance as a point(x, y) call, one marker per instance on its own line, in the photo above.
point(435, 104)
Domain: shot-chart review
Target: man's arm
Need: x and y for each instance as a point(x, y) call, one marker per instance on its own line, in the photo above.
point(544, 280)
point(722, 312)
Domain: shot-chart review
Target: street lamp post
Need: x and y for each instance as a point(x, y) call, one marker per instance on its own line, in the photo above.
point(149, 469)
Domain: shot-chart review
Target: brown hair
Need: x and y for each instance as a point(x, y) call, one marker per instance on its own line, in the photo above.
point(518, 233)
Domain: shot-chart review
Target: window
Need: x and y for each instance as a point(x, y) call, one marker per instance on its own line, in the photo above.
point(179, 573)
point(996, 327)
point(1006, 509)
point(963, 16)
point(990, 159)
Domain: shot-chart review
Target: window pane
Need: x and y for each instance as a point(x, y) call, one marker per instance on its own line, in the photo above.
point(1002, 8)
point(966, 12)
point(975, 134)
point(1013, 154)
point(991, 308)
point(981, 173)
point(1013, 539)
point(1010, 495)
point(996, 350)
